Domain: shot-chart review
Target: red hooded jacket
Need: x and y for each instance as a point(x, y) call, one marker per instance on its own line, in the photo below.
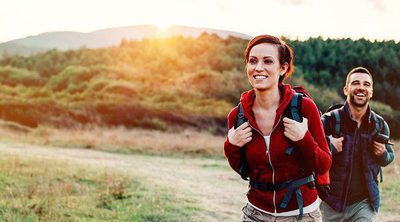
point(310, 153)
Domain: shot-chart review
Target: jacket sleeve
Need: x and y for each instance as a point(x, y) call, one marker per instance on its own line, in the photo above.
point(313, 145)
point(388, 156)
point(231, 151)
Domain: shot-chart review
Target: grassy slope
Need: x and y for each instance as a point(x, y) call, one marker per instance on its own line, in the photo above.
point(390, 190)
point(168, 143)
point(119, 139)
point(33, 189)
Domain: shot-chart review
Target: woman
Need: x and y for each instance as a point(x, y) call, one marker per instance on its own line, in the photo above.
point(268, 136)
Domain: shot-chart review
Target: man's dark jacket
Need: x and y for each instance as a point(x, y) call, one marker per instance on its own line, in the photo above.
point(341, 169)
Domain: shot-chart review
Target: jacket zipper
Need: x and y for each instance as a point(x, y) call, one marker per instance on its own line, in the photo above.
point(269, 158)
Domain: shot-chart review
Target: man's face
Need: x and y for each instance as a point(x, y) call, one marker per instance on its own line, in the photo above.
point(359, 89)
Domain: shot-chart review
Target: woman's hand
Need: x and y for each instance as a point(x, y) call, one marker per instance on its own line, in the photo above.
point(294, 130)
point(241, 135)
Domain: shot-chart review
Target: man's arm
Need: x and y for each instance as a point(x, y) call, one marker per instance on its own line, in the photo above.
point(387, 156)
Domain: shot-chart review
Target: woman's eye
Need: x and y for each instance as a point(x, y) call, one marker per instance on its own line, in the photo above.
point(253, 61)
point(268, 61)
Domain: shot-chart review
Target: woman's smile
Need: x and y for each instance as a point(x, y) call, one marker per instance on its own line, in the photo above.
point(260, 77)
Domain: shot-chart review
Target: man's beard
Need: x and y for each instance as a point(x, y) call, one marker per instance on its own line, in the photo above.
point(358, 103)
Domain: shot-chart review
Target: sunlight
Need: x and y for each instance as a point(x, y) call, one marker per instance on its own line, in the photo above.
point(163, 25)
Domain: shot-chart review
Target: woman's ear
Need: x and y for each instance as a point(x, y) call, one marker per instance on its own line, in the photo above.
point(284, 68)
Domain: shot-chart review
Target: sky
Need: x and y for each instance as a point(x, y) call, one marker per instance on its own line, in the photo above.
point(371, 19)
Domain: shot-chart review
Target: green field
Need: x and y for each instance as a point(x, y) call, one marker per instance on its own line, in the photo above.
point(35, 189)
point(171, 184)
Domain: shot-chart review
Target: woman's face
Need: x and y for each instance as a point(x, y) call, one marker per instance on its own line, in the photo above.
point(263, 66)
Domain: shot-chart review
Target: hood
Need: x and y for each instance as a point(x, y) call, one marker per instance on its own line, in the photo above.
point(247, 100)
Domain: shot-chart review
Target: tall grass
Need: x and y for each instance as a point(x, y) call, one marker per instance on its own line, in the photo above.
point(49, 190)
point(21, 178)
point(119, 139)
point(390, 188)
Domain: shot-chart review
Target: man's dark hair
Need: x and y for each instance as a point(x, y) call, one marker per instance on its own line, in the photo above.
point(357, 70)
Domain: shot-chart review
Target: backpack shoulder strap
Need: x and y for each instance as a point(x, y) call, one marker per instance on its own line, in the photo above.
point(293, 111)
point(243, 166)
point(378, 120)
point(334, 106)
point(240, 119)
point(379, 125)
point(337, 126)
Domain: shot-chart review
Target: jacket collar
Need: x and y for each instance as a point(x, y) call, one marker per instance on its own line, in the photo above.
point(366, 119)
point(247, 100)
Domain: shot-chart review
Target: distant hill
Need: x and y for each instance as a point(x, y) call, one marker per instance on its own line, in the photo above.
point(101, 38)
point(13, 48)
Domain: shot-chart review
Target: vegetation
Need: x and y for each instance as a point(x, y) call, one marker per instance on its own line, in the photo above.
point(35, 189)
point(93, 98)
point(118, 140)
point(177, 81)
point(40, 189)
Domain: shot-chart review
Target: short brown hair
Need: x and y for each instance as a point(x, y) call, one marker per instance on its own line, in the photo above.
point(357, 70)
point(285, 52)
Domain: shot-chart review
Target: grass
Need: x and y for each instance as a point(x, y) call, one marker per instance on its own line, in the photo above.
point(31, 191)
point(49, 190)
point(119, 139)
point(390, 188)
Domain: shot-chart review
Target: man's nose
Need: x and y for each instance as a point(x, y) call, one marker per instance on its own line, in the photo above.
point(362, 87)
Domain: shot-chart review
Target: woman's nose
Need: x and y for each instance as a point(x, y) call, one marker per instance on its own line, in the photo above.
point(259, 66)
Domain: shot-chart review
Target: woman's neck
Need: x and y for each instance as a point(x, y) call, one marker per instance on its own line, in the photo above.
point(268, 99)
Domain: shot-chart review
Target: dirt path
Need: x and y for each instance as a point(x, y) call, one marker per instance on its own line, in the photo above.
point(209, 182)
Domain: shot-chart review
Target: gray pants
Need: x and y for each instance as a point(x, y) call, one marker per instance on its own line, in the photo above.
point(251, 214)
point(358, 212)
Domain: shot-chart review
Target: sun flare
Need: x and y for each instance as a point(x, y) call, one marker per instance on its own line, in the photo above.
point(163, 25)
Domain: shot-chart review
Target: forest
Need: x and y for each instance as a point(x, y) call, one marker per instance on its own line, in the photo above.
point(179, 82)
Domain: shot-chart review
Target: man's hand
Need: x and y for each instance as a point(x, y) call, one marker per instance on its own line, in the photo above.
point(294, 130)
point(378, 148)
point(241, 135)
point(337, 143)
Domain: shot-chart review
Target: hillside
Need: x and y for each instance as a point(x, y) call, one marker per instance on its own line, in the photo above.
point(182, 82)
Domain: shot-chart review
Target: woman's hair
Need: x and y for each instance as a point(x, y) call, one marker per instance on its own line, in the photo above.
point(285, 52)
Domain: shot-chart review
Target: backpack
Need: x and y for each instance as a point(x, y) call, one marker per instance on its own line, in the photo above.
point(292, 111)
point(337, 112)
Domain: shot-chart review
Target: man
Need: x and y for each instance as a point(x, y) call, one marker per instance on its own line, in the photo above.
point(359, 139)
